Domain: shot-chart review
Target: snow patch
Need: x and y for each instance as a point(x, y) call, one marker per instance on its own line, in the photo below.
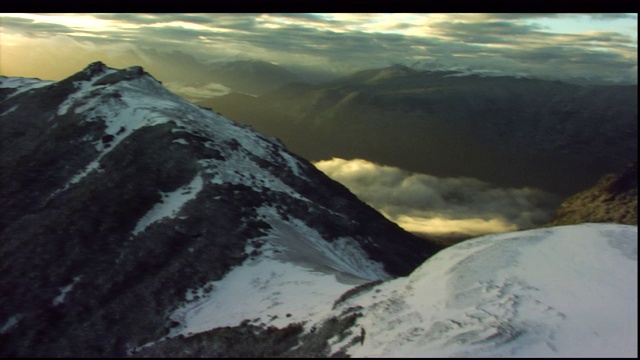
point(293, 276)
point(292, 163)
point(127, 106)
point(13, 108)
point(84, 90)
point(239, 169)
point(304, 245)
point(64, 290)
point(11, 322)
point(77, 177)
point(264, 292)
point(171, 203)
point(21, 84)
point(181, 141)
point(122, 115)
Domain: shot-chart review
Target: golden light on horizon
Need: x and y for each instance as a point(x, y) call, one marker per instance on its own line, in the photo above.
point(442, 226)
point(58, 57)
point(81, 22)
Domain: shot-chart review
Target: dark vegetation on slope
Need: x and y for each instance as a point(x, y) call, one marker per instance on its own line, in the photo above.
point(254, 341)
point(613, 199)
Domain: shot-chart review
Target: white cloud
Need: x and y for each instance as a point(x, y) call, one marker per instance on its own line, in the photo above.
point(442, 226)
point(430, 205)
point(195, 93)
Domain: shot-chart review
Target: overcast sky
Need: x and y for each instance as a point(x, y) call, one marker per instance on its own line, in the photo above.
point(171, 46)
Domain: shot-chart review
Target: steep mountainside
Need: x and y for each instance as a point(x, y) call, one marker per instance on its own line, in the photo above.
point(613, 199)
point(505, 130)
point(121, 202)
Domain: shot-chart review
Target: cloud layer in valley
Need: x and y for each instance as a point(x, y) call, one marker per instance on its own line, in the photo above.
point(441, 207)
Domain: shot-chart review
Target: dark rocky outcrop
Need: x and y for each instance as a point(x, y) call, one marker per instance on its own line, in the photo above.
point(614, 199)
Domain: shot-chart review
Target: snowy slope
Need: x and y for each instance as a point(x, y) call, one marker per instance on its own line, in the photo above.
point(141, 101)
point(296, 278)
point(144, 102)
point(568, 291)
point(21, 84)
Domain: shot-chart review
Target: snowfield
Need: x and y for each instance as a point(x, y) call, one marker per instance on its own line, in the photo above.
point(294, 277)
point(171, 203)
point(22, 84)
point(569, 291)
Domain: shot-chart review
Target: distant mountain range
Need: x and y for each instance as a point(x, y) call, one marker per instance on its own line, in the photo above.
point(252, 77)
point(510, 131)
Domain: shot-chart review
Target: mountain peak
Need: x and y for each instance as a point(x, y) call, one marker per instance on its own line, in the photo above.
point(135, 70)
point(95, 68)
point(98, 73)
point(123, 193)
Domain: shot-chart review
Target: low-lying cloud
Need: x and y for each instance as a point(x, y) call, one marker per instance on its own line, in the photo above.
point(441, 207)
point(197, 93)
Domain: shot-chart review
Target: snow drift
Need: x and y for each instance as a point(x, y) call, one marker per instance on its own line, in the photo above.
point(569, 291)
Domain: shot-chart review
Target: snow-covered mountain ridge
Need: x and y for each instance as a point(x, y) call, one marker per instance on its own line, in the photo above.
point(117, 193)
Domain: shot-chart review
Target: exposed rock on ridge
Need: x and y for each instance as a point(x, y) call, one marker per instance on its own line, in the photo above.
point(614, 199)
